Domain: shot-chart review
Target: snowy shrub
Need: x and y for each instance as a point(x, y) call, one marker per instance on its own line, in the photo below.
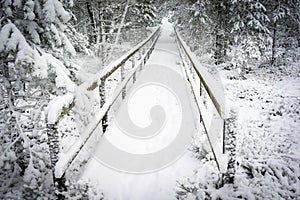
point(31, 31)
point(202, 185)
point(200, 148)
point(82, 190)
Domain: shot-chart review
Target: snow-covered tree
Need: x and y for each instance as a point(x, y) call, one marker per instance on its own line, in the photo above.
point(32, 37)
point(256, 30)
point(284, 29)
point(206, 22)
point(101, 21)
point(142, 14)
point(37, 78)
point(249, 30)
point(192, 17)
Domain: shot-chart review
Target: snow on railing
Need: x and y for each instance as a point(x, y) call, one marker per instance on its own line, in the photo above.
point(206, 89)
point(143, 51)
point(111, 68)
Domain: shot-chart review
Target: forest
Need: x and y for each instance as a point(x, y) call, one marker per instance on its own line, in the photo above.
point(49, 50)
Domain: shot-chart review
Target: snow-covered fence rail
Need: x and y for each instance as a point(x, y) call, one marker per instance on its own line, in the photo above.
point(141, 51)
point(209, 97)
point(138, 57)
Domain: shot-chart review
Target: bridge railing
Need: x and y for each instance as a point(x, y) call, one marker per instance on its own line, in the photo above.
point(126, 67)
point(138, 57)
point(209, 98)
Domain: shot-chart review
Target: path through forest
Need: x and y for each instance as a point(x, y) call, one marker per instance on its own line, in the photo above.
point(151, 132)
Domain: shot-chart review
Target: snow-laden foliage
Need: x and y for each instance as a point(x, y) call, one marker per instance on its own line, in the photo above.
point(39, 82)
point(142, 14)
point(260, 31)
point(33, 40)
point(101, 21)
point(267, 140)
point(249, 31)
point(82, 190)
point(261, 76)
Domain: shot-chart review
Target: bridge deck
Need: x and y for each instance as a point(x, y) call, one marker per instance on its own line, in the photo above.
point(151, 130)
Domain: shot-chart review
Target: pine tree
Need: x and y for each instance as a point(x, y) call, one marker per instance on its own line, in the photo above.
point(30, 32)
point(249, 30)
point(142, 14)
point(284, 29)
point(207, 21)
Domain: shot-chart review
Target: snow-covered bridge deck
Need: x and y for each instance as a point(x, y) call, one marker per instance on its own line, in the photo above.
point(141, 133)
point(141, 158)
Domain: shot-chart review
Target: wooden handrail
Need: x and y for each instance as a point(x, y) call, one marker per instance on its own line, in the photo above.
point(109, 102)
point(195, 63)
point(111, 68)
point(214, 94)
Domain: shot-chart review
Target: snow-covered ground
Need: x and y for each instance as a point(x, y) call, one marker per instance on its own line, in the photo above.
point(267, 138)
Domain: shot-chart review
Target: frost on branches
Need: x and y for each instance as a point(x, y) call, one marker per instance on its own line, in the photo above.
point(34, 37)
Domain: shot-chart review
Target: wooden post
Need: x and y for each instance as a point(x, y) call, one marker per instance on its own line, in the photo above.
point(134, 77)
point(273, 50)
point(122, 78)
point(149, 53)
point(53, 143)
point(230, 146)
point(133, 61)
point(102, 102)
point(133, 65)
point(224, 132)
point(140, 53)
point(141, 66)
point(200, 87)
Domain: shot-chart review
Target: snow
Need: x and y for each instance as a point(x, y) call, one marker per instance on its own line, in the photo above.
point(151, 180)
point(114, 64)
point(12, 39)
point(119, 29)
point(17, 3)
point(49, 10)
point(213, 119)
point(40, 66)
point(54, 8)
point(67, 44)
point(62, 79)
point(267, 139)
point(56, 106)
point(145, 152)
point(32, 29)
point(56, 35)
point(159, 185)
point(88, 66)
point(268, 142)
point(29, 7)
point(216, 88)
point(87, 104)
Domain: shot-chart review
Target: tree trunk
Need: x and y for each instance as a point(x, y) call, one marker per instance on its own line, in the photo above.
point(274, 38)
point(220, 50)
point(92, 19)
point(119, 30)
